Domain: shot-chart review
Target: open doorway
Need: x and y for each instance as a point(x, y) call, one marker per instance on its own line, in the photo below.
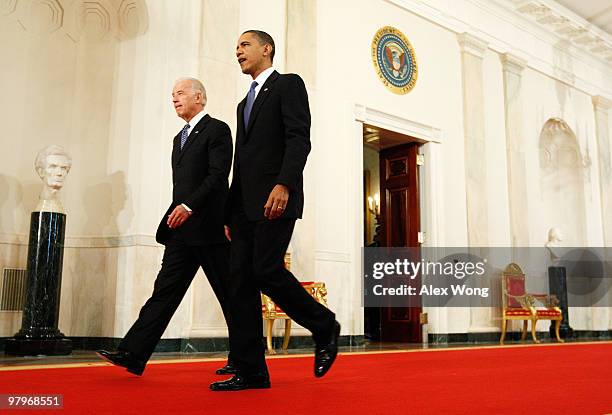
point(391, 219)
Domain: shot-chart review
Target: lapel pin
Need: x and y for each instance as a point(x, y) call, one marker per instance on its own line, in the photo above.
point(197, 132)
point(265, 89)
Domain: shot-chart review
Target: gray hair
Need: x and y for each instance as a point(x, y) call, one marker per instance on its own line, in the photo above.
point(196, 86)
point(51, 150)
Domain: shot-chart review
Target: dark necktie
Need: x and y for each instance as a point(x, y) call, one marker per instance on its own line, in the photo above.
point(184, 135)
point(249, 104)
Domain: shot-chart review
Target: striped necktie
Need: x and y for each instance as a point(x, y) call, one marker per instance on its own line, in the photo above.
point(184, 135)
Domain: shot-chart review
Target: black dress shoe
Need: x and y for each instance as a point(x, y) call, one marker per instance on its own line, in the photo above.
point(325, 354)
point(123, 359)
point(228, 369)
point(239, 382)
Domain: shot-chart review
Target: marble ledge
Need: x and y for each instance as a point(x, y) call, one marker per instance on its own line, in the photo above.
point(89, 241)
point(332, 256)
point(602, 104)
point(472, 44)
point(513, 64)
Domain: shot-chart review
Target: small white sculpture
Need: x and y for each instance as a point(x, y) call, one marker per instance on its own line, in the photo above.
point(52, 165)
point(554, 244)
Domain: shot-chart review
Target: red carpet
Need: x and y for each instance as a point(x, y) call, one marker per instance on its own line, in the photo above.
point(568, 379)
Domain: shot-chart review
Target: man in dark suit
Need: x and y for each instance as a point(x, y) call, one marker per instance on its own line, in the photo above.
point(192, 228)
point(266, 198)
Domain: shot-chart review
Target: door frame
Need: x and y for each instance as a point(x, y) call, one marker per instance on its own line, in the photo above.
point(430, 184)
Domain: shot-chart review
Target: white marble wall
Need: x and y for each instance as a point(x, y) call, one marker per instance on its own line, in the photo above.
point(99, 84)
point(602, 107)
point(12, 255)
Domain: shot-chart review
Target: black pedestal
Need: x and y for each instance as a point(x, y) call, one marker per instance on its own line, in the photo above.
point(39, 334)
point(557, 283)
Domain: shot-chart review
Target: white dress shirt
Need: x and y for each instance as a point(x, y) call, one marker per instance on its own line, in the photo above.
point(195, 120)
point(262, 78)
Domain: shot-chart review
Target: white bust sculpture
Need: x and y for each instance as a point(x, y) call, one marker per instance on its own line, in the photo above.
point(554, 244)
point(52, 165)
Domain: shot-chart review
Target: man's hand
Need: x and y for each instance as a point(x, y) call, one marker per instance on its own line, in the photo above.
point(178, 216)
point(277, 201)
point(228, 233)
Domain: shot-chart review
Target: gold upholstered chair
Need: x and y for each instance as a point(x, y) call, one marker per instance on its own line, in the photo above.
point(521, 305)
point(272, 312)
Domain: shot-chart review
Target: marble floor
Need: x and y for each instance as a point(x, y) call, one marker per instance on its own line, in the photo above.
point(86, 357)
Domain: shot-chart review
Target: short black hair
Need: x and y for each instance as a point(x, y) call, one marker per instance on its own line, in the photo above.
point(264, 39)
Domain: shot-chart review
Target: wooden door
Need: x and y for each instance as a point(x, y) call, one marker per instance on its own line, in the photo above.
point(400, 218)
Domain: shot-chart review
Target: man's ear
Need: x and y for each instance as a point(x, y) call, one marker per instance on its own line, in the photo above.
point(40, 172)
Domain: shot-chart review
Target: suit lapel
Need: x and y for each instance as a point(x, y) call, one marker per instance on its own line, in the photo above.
point(240, 112)
point(176, 149)
point(264, 92)
point(195, 131)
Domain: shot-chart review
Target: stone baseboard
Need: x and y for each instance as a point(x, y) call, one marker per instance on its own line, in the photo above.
point(197, 345)
point(493, 337)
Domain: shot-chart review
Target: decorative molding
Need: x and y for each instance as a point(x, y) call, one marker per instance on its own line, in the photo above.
point(398, 124)
point(561, 21)
point(13, 239)
point(86, 20)
point(513, 64)
point(90, 12)
point(123, 241)
point(133, 19)
point(429, 12)
point(601, 104)
point(515, 29)
point(432, 195)
point(472, 44)
point(332, 256)
point(48, 18)
point(7, 6)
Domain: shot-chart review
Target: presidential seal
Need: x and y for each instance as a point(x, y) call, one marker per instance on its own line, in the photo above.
point(394, 60)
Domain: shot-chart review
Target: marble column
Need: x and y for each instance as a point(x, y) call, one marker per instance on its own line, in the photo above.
point(472, 54)
point(139, 147)
point(602, 107)
point(517, 182)
point(302, 39)
point(220, 26)
point(301, 58)
point(39, 334)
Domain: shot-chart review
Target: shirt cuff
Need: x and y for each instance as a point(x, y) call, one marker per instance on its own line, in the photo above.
point(187, 208)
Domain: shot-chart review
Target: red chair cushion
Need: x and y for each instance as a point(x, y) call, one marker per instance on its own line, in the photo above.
point(548, 313)
point(515, 286)
point(518, 312)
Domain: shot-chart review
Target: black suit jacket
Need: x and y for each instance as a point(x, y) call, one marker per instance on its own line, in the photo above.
point(273, 148)
point(199, 175)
